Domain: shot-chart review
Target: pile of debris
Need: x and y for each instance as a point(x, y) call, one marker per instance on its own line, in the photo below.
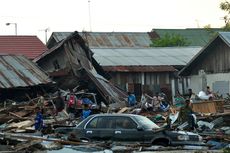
point(18, 132)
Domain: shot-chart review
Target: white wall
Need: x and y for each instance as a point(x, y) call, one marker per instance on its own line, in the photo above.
point(224, 88)
point(197, 81)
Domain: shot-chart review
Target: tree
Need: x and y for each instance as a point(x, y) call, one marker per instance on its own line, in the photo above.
point(211, 31)
point(225, 6)
point(170, 40)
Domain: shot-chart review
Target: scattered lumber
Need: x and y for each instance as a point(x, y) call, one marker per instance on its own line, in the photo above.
point(31, 137)
point(23, 145)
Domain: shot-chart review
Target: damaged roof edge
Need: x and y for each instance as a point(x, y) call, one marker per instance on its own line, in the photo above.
point(163, 68)
point(53, 49)
point(111, 93)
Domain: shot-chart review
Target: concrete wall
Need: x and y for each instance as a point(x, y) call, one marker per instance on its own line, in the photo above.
point(216, 78)
point(198, 82)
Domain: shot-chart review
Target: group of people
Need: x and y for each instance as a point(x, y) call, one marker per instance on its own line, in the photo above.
point(157, 102)
point(60, 103)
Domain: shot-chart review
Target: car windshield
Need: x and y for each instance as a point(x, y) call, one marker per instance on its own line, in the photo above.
point(146, 123)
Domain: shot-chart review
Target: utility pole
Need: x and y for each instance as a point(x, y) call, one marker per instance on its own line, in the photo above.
point(15, 26)
point(45, 30)
point(90, 27)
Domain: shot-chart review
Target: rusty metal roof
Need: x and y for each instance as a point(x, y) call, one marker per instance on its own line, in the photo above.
point(159, 56)
point(18, 71)
point(160, 68)
point(107, 39)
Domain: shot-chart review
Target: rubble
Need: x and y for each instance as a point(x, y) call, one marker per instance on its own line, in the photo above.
point(18, 121)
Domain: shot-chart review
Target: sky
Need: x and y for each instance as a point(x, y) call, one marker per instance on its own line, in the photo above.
point(34, 16)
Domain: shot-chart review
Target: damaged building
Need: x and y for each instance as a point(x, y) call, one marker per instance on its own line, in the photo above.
point(21, 79)
point(71, 64)
point(134, 65)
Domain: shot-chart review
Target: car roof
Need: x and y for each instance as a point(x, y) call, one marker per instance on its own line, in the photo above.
point(116, 114)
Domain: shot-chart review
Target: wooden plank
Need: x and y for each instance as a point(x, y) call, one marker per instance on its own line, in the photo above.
point(22, 124)
point(11, 113)
point(123, 110)
point(214, 106)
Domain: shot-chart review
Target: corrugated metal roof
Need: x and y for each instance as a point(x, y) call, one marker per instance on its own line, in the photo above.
point(145, 56)
point(18, 71)
point(30, 46)
point(195, 36)
point(225, 36)
point(109, 39)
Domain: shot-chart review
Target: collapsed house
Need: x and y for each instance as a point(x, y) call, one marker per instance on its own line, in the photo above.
point(21, 79)
point(71, 64)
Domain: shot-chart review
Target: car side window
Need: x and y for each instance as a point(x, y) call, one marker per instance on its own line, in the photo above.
point(125, 123)
point(106, 122)
point(92, 123)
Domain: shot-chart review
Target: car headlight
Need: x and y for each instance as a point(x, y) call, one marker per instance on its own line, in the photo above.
point(183, 137)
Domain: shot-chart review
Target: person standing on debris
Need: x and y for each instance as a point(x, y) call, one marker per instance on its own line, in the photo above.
point(59, 103)
point(38, 125)
point(131, 99)
point(71, 103)
point(186, 114)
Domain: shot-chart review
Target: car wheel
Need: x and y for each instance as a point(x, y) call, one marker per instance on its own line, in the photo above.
point(161, 142)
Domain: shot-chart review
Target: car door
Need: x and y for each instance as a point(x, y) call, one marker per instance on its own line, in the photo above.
point(126, 130)
point(91, 131)
point(100, 128)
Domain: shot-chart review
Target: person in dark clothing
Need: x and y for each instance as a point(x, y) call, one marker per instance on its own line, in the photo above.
point(186, 114)
point(59, 103)
point(188, 94)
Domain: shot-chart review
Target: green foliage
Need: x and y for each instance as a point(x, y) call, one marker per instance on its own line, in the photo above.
point(211, 32)
point(225, 6)
point(170, 40)
point(226, 150)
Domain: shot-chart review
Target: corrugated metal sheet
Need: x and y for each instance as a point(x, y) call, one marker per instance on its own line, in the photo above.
point(145, 56)
point(109, 39)
point(18, 71)
point(225, 36)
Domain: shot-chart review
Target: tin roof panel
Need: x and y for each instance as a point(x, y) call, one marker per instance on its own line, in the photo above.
point(145, 56)
point(18, 71)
